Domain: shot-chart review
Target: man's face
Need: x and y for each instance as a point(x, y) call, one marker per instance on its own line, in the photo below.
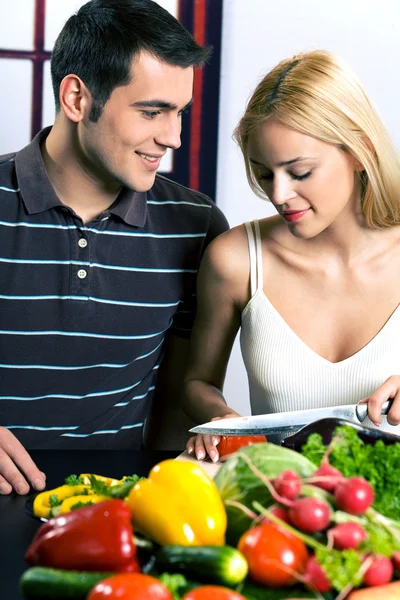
point(139, 122)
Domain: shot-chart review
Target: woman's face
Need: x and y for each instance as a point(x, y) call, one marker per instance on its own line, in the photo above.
point(312, 184)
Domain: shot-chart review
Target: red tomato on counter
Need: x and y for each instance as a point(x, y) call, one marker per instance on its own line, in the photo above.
point(271, 552)
point(212, 592)
point(130, 586)
point(231, 443)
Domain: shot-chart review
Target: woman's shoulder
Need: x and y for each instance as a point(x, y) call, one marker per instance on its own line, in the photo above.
point(228, 254)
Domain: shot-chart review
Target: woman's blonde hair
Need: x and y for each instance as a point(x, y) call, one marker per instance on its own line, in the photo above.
point(317, 94)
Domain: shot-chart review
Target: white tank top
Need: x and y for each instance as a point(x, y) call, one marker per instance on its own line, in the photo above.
point(285, 374)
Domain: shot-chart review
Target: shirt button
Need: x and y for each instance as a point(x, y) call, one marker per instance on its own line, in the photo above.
point(82, 273)
point(82, 243)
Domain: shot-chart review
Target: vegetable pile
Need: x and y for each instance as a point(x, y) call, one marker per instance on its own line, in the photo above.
point(273, 524)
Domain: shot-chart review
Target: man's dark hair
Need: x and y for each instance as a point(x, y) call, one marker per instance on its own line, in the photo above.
point(99, 42)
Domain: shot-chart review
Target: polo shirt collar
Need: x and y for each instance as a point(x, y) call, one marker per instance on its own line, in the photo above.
point(39, 195)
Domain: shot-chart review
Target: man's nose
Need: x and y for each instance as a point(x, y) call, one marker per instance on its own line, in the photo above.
point(170, 134)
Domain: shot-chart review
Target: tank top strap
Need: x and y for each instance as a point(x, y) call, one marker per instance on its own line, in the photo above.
point(260, 278)
point(255, 252)
point(253, 258)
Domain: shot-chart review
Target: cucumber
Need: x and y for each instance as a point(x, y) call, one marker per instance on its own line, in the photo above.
point(221, 564)
point(44, 582)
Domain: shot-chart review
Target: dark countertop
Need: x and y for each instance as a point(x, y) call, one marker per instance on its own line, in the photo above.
point(17, 528)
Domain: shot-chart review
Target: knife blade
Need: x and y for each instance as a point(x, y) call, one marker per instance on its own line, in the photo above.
point(286, 421)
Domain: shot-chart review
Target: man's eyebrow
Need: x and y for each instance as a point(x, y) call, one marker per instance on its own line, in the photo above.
point(285, 162)
point(159, 104)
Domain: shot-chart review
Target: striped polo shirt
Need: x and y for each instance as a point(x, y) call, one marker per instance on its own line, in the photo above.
point(85, 308)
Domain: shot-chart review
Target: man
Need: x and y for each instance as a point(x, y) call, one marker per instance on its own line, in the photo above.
point(98, 254)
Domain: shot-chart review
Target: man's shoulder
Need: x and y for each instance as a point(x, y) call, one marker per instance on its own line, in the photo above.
point(7, 163)
point(8, 181)
point(166, 189)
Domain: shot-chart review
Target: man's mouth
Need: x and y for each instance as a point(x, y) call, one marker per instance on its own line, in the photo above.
point(150, 158)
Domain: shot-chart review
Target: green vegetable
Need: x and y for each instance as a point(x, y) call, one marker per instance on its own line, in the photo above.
point(251, 591)
point(223, 565)
point(44, 582)
point(121, 491)
point(378, 463)
point(177, 584)
point(81, 505)
point(54, 500)
point(342, 567)
point(74, 480)
point(114, 491)
point(236, 481)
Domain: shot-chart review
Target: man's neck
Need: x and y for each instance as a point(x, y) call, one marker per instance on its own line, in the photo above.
point(74, 186)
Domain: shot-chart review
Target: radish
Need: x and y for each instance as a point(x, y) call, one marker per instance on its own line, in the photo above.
point(278, 511)
point(354, 495)
point(380, 572)
point(310, 514)
point(315, 576)
point(396, 561)
point(331, 477)
point(288, 484)
point(347, 535)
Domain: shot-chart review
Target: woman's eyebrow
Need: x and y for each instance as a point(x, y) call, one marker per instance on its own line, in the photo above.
point(285, 162)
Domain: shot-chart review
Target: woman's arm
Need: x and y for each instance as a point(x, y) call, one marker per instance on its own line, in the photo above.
point(222, 286)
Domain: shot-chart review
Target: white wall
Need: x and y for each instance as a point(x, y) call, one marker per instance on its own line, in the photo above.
point(257, 34)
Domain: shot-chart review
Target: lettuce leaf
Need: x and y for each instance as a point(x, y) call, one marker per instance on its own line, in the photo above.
point(236, 482)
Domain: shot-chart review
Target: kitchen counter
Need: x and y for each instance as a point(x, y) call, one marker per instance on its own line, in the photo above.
point(17, 528)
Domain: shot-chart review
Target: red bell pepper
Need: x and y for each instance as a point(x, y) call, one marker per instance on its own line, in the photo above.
point(91, 538)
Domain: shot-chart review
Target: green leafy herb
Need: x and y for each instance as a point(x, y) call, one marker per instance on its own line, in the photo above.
point(177, 584)
point(378, 463)
point(81, 504)
point(74, 480)
point(122, 490)
point(342, 567)
point(99, 487)
point(84, 492)
point(132, 478)
point(54, 500)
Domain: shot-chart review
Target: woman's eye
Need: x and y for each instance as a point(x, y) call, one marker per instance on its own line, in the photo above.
point(266, 176)
point(300, 177)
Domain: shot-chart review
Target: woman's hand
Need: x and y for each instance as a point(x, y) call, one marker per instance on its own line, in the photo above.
point(204, 445)
point(388, 390)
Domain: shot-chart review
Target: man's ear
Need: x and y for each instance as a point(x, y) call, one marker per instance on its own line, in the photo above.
point(75, 98)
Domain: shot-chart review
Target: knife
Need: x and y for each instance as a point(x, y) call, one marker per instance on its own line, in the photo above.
point(289, 421)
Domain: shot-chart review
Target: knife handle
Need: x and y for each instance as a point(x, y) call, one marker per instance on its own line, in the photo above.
point(362, 409)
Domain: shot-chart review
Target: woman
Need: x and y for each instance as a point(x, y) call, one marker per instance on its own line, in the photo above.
point(316, 288)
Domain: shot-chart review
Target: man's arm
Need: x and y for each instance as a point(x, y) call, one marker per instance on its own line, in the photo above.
point(167, 426)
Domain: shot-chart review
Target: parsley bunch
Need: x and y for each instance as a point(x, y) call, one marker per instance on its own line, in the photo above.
point(377, 463)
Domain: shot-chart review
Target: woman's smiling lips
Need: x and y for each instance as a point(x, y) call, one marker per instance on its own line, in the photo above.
point(294, 215)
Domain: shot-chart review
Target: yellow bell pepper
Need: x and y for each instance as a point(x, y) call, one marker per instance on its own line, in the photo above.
point(178, 504)
point(108, 481)
point(41, 503)
point(68, 503)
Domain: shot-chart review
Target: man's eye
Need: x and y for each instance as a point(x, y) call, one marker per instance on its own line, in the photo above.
point(150, 114)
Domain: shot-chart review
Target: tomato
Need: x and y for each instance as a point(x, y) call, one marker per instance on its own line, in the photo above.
point(212, 592)
point(231, 443)
point(272, 553)
point(130, 586)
